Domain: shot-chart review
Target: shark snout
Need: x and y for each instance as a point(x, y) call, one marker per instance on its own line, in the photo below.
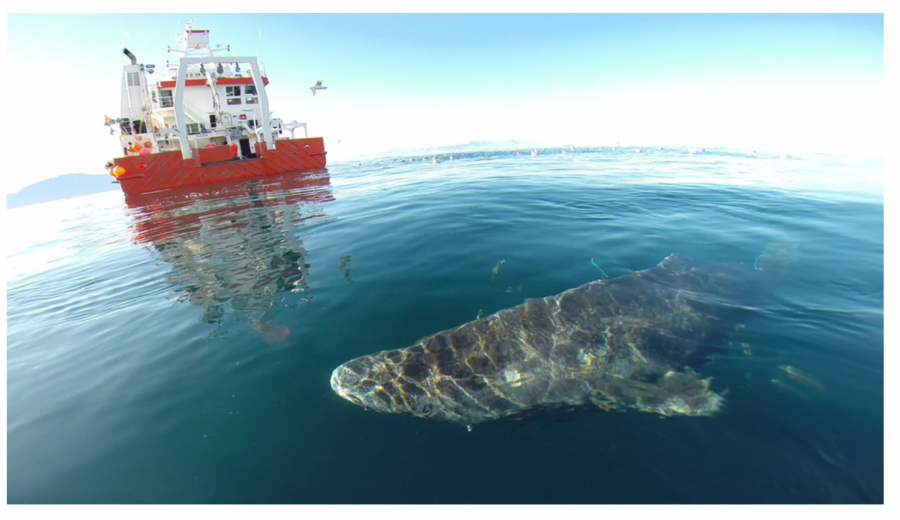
point(344, 382)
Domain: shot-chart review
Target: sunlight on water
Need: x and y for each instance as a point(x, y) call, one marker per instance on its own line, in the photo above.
point(178, 347)
point(813, 174)
point(46, 242)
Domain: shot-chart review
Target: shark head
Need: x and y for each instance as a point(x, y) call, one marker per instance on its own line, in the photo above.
point(375, 382)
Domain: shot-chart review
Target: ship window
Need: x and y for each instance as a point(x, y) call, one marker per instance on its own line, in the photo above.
point(233, 94)
point(193, 128)
point(252, 100)
point(165, 98)
point(250, 90)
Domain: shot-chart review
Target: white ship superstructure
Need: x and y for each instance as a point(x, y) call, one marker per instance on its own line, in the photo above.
point(210, 109)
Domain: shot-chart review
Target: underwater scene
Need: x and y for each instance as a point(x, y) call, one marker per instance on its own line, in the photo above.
point(566, 325)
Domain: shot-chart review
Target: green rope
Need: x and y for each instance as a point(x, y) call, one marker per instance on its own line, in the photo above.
point(598, 267)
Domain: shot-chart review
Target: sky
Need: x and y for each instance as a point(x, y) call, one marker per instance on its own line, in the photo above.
point(779, 82)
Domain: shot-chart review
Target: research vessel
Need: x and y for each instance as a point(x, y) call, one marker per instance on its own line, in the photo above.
point(206, 120)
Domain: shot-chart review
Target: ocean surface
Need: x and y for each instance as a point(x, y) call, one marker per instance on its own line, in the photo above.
point(177, 348)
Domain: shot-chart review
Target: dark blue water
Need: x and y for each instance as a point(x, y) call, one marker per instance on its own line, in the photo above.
point(177, 348)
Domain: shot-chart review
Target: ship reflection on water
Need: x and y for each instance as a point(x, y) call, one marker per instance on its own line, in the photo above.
point(234, 248)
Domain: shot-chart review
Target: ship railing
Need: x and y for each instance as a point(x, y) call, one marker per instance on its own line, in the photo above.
point(188, 111)
point(168, 140)
point(293, 125)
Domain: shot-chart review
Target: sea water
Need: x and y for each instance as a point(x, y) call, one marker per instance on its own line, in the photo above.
point(177, 348)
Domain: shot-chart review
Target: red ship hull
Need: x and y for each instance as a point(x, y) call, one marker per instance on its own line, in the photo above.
point(167, 170)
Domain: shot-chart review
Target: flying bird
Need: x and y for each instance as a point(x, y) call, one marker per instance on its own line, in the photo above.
point(317, 86)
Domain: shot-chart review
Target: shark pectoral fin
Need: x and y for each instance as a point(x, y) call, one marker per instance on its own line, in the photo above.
point(685, 393)
point(674, 393)
point(603, 400)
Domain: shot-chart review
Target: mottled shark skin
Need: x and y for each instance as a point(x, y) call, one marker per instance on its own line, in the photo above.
point(617, 344)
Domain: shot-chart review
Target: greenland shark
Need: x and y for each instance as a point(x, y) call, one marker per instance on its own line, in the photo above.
point(621, 343)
